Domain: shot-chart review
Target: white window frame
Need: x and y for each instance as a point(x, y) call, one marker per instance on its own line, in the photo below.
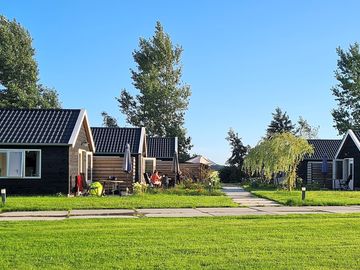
point(23, 152)
point(88, 154)
point(154, 163)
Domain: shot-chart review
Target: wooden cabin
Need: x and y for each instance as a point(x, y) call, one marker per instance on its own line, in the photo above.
point(160, 154)
point(347, 161)
point(43, 150)
point(310, 169)
point(109, 155)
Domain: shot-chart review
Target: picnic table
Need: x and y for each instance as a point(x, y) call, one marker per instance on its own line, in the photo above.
point(110, 186)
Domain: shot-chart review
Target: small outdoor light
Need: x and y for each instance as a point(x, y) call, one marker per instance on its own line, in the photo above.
point(3, 195)
point(303, 193)
point(210, 186)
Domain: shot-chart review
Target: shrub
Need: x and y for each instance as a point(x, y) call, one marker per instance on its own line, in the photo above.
point(139, 188)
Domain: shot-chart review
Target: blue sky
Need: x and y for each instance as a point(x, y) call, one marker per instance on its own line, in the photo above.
point(241, 58)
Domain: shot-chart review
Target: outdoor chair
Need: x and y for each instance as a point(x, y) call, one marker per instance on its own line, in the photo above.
point(147, 180)
point(344, 184)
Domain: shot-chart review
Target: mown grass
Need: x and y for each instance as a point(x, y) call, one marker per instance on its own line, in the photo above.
point(33, 203)
point(315, 198)
point(287, 242)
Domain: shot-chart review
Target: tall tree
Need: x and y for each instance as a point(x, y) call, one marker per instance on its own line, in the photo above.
point(108, 120)
point(305, 130)
point(163, 99)
point(281, 153)
point(347, 91)
point(279, 124)
point(238, 149)
point(19, 71)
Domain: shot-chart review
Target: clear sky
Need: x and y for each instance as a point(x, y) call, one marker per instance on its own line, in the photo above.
point(241, 58)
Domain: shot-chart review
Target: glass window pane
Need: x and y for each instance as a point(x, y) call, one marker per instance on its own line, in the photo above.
point(3, 164)
point(15, 159)
point(32, 163)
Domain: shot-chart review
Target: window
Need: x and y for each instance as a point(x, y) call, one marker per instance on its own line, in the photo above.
point(3, 164)
point(17, 164)
point(32, 163)
point(150, 165)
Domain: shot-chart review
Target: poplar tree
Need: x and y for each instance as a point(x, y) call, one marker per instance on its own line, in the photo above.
point(163, 98)
point(347, 90)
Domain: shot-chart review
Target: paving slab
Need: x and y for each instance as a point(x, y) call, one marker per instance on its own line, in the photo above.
point(101, 216)
point(337, 209)
point(31, 218)
point(103, 212)
point(245, 198)
point(286, 209)
point(35, 214)
point(182, 212)
point(231, 211)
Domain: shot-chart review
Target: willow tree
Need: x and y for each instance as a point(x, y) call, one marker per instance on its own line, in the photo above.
point(281, 153)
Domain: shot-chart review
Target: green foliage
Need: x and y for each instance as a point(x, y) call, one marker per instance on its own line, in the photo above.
point(279, 124)
point(19, 71)
point(238, 153)
point(109, 121)
point(238, 150)
point(282, 153)
point(305, 130)
point(347, 91)
point(139, 188)
point(163, 99)
point(230, 174)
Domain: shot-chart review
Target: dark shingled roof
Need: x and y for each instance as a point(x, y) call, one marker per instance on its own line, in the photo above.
point(37, 126)
point(114, 140)
point(357, 134)
point(158, 147)
point(324, 147)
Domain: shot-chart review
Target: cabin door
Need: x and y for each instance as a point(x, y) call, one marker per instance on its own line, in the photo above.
point(349, 171)
point(342, 170)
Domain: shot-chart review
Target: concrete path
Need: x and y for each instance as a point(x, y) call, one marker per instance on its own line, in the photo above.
point(182, 212)
point(245, 198)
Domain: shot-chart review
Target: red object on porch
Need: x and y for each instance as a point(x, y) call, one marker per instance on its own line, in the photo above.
point(79, 183)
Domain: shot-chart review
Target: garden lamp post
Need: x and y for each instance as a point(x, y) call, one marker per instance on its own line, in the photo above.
point(303, 193)
point(3, 195)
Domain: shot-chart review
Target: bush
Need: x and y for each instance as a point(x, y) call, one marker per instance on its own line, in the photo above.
point(230, 174)
point(139, 188)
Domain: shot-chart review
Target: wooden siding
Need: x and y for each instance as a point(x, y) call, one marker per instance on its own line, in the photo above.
point(188, 170)
point(106, 166)
point(314, 174)
point(54, 173)
point(350, 150)
point(74, 156)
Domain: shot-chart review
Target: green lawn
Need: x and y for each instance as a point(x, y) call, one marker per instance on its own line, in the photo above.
point(29, 203)
point(312, 197)
point(286, 242)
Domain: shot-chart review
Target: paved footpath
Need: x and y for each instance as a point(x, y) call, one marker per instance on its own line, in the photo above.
point(182, 212)
point(245, 198)
point(252, 206)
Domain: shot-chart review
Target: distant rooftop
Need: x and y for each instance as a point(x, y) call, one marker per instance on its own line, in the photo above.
point(159, 147)
point(114, 140)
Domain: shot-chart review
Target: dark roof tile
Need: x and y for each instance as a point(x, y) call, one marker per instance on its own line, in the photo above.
point(324, 148)
point(37, 126)
point(161, 147)
point(114, 140)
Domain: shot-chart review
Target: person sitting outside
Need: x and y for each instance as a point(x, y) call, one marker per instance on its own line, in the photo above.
point(156, 179)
